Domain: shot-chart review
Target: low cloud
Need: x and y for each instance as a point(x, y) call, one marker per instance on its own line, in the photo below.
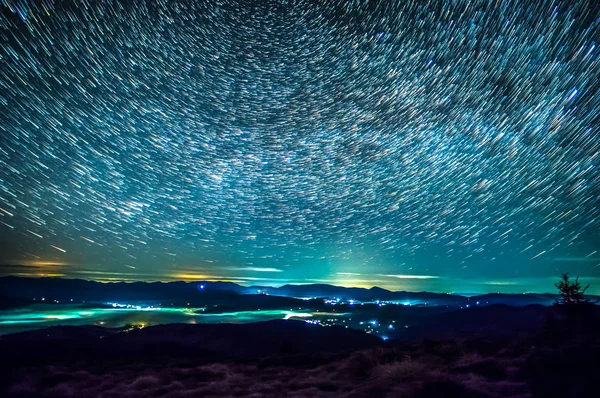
point(411, 276)
point(257, 269)
point(501, 283)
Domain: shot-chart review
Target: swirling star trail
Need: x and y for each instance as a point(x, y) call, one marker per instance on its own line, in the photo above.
point(296, 140)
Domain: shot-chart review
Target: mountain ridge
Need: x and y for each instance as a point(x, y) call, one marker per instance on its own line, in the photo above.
point(65, 290)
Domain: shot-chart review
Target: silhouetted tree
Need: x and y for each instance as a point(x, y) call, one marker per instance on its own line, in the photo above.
point(571, 292)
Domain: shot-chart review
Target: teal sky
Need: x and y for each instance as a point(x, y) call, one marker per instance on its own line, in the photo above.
point(455, 147)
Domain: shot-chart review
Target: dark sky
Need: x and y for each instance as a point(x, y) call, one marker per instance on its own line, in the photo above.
point(429, 145)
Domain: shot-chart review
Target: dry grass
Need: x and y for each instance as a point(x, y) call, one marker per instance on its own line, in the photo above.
point(402, 371)
point(368, 373)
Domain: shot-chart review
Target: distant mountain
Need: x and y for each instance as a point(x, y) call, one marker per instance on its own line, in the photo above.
point(13, 302)
point(228, 294)
point(355, 293)
point(78, 290)
point(413, 298)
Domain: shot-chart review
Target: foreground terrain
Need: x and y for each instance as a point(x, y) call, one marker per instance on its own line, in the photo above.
point(294, 359)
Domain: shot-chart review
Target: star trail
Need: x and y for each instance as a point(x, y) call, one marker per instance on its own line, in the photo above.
point(351, 142)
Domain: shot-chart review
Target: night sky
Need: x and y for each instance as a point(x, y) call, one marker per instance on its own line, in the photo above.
point(419, 145)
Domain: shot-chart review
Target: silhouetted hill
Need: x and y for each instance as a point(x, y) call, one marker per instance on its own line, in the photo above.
point(492, 321)
point(361, 294)
point(251, 302)
point(204, 341)
point(13, 302)
point(230, 294)
point(515, 299)
point(81, 290)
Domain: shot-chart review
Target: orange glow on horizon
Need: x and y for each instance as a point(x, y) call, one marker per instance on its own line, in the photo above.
point(41, 263)
point(188, 276)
